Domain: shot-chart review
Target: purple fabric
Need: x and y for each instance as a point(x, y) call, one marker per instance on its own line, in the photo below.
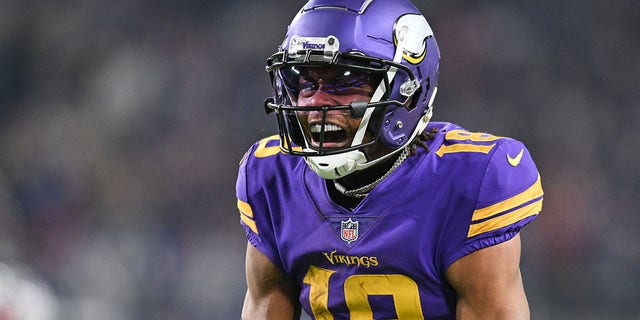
point(410, 228)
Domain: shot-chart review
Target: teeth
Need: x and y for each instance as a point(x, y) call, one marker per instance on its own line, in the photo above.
point(316, 128)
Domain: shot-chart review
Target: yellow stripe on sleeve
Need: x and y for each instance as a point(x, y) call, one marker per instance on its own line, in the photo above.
point(245, 208)
point(246, 215)
point(505, 220)
point(531, 193)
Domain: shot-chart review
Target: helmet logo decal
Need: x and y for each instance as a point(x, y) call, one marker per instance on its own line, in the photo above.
point(414, 30)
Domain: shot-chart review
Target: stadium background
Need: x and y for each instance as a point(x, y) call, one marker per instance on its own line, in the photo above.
point(122, 123)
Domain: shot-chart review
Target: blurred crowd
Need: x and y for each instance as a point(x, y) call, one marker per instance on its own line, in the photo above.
point(122, 124)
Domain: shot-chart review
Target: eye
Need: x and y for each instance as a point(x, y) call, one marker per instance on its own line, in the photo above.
point(307, 87)
point(351, 80)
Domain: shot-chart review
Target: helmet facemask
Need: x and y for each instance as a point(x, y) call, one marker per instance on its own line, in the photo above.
point(359, 85)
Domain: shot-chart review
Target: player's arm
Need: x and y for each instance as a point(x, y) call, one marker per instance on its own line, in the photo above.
point(489, 284)
point(270, 294)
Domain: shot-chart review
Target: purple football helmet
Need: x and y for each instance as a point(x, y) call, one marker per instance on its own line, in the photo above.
point(384, 44)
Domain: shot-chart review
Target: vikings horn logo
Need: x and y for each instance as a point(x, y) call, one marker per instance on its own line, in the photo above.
point(349, 230)
point(415, 31)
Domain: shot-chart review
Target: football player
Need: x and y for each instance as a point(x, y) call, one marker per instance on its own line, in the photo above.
point(361, 208)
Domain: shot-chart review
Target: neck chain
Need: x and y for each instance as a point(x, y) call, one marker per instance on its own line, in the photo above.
point(364, 191)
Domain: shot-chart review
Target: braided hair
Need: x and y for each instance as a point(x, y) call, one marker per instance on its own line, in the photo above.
point(421, 141)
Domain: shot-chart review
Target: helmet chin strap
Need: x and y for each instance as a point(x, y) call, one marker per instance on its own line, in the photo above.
point(336, 165)
point(339, 165)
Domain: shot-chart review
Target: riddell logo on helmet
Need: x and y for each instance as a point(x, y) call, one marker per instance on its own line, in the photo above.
point(312, 46)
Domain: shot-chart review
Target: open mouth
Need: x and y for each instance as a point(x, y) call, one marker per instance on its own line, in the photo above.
point(334, 135)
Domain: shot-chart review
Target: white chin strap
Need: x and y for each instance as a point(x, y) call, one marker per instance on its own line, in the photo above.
point(336, 165)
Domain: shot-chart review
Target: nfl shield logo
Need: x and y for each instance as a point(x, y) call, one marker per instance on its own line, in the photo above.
point(349, 230)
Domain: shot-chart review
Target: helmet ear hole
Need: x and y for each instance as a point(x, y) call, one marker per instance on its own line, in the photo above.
point(413, 101)
point(425, 97)
point(422, 95)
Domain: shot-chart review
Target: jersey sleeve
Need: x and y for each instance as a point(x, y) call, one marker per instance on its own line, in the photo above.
point(254, 215)
point(509, 197)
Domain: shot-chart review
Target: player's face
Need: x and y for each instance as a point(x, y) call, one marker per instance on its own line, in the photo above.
point(332, 87)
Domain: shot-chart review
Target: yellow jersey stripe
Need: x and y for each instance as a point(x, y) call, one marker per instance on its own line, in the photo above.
point(245, 208)
point(505, 220)
point(249, 222)
point(246, 215)
point(531, 193)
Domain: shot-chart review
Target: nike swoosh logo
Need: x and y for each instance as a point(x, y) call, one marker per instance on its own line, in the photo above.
point(515, 161)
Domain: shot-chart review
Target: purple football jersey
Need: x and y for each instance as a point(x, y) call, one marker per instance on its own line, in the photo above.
point(387, 258)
